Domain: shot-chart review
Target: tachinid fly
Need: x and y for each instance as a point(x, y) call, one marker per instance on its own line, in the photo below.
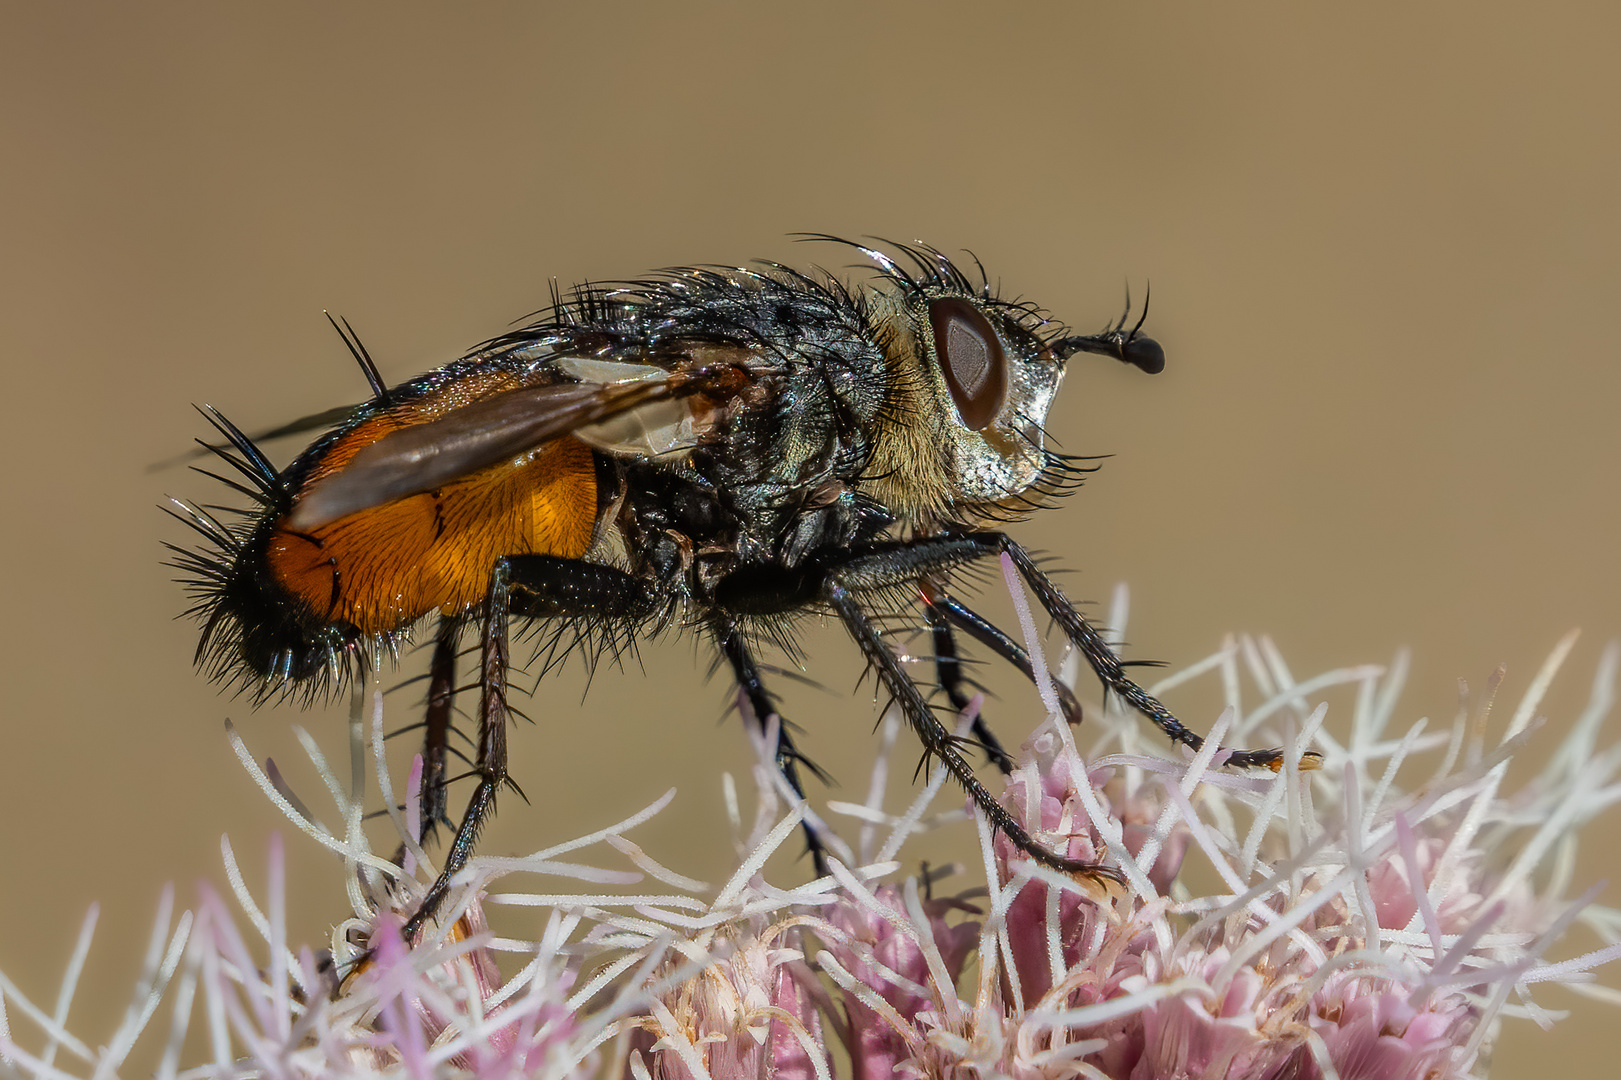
point(721, 449)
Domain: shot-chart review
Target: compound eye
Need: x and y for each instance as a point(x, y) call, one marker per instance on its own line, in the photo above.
point(971, 358)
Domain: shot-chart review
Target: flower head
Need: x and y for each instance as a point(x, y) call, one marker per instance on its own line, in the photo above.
point(1375, 918)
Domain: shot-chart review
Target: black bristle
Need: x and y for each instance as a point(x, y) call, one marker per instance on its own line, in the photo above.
point(368, 367)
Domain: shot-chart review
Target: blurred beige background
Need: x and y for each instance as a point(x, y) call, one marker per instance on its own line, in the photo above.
point(1385, 250)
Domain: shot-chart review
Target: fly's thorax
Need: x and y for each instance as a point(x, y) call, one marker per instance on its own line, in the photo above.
point(967, 393)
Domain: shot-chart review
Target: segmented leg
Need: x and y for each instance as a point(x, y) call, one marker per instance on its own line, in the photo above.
point(437, 726)
point(947, 611)
point(886, 565)
point(883, 566)
point(537, 586)
point(948, 673)
point(1107, 665)
point(787, 756)
point(491, 763)
point(938, 741)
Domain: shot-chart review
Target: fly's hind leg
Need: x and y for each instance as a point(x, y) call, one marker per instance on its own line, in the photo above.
point(491, 763)
point(535, 586)
point(787, 756)
point(437, 726)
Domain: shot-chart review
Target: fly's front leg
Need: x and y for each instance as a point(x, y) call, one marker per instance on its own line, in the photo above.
point(537, 586)
point(1102, 659)
point(884, 565)
point(787, 756)
point(997, 640)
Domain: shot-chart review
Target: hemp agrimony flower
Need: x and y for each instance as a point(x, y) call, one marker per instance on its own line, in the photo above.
point(1376, 918)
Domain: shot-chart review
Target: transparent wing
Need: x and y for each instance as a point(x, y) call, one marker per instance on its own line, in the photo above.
point(426, 456)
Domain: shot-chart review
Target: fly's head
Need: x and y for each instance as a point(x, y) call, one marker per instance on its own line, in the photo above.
point(970, 380)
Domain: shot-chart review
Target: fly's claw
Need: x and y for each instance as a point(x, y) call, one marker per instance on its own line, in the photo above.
point(1273, 759)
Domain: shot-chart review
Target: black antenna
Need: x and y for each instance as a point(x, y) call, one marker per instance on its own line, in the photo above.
point(1134, 348)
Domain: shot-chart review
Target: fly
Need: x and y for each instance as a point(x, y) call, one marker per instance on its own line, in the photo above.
point(720, 449)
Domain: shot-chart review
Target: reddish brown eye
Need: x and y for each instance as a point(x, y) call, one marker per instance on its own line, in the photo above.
point(971, 358)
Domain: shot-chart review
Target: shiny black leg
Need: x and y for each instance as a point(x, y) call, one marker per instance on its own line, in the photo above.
point(437, 726)
point(882, 566)
point(1103, 661)
point(787, 756)
point(936, 739)
point(536, 586)
point(948, 673)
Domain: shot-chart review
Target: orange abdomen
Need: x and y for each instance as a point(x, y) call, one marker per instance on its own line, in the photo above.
point(384, 568)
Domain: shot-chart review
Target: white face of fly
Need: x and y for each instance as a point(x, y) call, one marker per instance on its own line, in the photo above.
point(994, 382)
point(995, 439)
point(970, 387)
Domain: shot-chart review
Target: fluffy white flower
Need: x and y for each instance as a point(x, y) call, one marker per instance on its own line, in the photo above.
point(1377, 917)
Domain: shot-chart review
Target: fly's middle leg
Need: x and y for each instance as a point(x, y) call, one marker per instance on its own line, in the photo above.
point(937, 740)
point(949, 674)
point(787, 756)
